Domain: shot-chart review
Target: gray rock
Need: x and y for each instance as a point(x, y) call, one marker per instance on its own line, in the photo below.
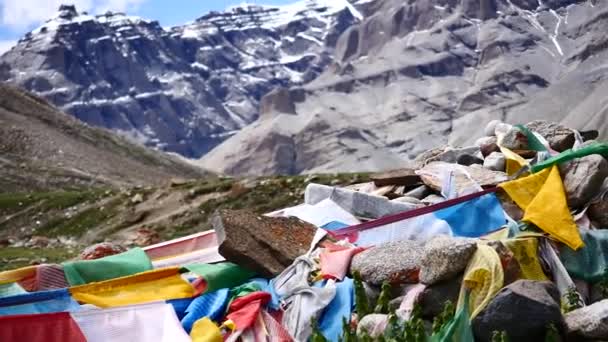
point(395, 262)
point(496, 161)
point(371, 292)
point(598, 210)
point(597, 293)
point(410, 200)
point(583, 179)
point(509, 206)
point(419, 193)
point(523, 309)
point(372, 324)
point(589, 322)
point(464, 156)
point(444, 258)
point(490, 130)
point(434, 297)
point(433, 199)
point(433, 175)
point(515, 139)
point(358, 203)
point(395, 303)
point(266, 245)
point(487, 145)
point(560, 138)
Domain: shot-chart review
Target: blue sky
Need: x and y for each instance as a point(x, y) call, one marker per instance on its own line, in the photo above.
point(17, 17)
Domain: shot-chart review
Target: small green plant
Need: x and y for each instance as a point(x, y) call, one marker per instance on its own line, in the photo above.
point(444, 317)
point(361, 301)
point(382, 307)
point(348, 335)
point(572, 300)
point(500, 336)
point(552, 334)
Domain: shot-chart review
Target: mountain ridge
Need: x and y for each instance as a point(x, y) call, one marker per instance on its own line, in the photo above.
point(181, 90)
point(44, 149)
point(414, 76)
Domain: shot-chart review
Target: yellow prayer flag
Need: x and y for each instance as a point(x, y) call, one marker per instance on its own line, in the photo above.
point(525, 252)
point(150, 286)
point(543, 199)
point(483, 278)
point(19, 274)
point(204, 330)
point(514, 161)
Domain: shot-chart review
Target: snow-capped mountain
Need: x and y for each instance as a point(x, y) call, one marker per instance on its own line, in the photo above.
point(183, 89)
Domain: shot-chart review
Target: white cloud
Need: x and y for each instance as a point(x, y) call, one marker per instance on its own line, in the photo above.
point(21, 14)
point(6, 45)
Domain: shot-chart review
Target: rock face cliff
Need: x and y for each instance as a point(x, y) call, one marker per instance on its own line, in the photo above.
point(182, 89)
point(417, 74)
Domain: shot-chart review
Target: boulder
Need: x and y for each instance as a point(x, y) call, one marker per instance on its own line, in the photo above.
point(410, 200)
point(496, 161)
point(465, 156)
point(266, 245)
point(407, 177)
point(583, 179)
point(490, 129)
point(509, 206)
point(524, 310)
point(589, 322)
point(419, 193)
point(514, 139)
point(434, 297)
point(434, 173)
point(101, 250)
point(560, 138)
point(597, 292)
point(395, 262)
point(444, 258)
point(373, 324)
point(598, 210)
point(432, 199)
point(487, 145)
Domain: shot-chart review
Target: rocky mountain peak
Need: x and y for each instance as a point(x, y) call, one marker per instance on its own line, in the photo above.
point(183, 89)
point(417, 74)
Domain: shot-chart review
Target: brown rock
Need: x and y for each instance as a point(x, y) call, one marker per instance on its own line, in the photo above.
point(515, 139)
point(175, 182)
point(263, 244)
point(146, 237)
point(490, 146)
point(101, 250)
point(39, 241)
point(583, 179)
point(560, 138)
point(407, 177)
point(598, 210)
point(431, 175)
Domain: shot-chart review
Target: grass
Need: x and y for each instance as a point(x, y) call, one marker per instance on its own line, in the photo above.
point(269, 194)
point(15, 257)
point(48, 200)
point(77, 225)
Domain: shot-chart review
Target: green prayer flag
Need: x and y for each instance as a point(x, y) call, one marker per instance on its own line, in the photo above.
point(595, 148)
point(221, 276)
point(114, 266)
point(533, 141)
point(459, 328)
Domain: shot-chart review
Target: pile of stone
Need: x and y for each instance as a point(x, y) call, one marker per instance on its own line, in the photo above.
point(526, 307)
